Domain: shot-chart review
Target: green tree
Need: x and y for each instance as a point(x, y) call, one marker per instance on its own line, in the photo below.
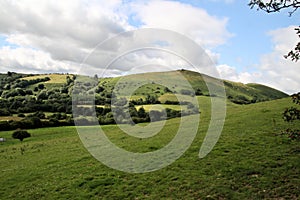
point(42, 95)
point(290, 115)
point(276, 6)
point(20, 134)
point(41, 86)
point(141, 112)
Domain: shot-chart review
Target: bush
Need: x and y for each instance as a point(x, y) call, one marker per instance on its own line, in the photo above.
point(20, 134)
point(187, 92)
point(21, 115)
point(156, 115)
point(4, 112)
point(292, 134)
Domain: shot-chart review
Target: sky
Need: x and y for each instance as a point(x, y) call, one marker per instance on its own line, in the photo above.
point(244, 44)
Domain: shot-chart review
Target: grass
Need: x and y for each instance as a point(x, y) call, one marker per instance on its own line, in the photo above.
point(7, 118)
point(15, 117)
point(159, 107)
point(54, 78)
point(248, 162)
point(155, 83)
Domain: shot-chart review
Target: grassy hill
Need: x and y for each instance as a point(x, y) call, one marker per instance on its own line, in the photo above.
point(236, 92)
point(24, 96)
point(250, 161)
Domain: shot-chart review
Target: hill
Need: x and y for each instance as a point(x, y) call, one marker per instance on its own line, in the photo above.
point(42, 100)
point(248, 162)
point(236, 92)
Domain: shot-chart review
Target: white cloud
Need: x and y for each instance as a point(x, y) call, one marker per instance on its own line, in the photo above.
point(27, 60)
point(65, 30)
point(230, 73)
point(280, 72)
point(63, 33)
point(273, 69)
point(193, 22)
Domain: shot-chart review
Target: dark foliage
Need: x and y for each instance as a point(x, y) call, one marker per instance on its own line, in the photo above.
point(20, 134)
point(290, 115)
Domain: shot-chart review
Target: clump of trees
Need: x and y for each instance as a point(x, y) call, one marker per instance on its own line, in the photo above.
point(20, 134)
point(31, 104)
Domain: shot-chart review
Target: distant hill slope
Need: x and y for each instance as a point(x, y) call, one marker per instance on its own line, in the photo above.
point(236, 92)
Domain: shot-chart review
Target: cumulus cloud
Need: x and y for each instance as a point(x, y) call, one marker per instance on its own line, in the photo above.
point(64, 30)
point(47, 33)
point(193, 22)
point(273, 69)
point(280, 72)
point(152, 47)
point(230, 73)
point(27, 60)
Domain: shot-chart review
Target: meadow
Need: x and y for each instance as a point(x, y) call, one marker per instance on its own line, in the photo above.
point(250, 161)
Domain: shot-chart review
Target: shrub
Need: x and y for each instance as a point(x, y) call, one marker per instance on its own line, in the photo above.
point(293, 134)
point(20, 134)
point(4, 112)
point(21, 115)
point(187, 92)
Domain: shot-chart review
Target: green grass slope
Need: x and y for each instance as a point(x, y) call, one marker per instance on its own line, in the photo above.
point(248, 162)
point(237, 92)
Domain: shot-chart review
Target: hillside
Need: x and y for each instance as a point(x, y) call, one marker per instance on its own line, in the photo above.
point(236, 92)
point(250, 161)
point(43, 100)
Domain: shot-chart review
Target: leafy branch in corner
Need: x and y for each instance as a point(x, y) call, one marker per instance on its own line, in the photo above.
point(295, 54)
point(276, 6)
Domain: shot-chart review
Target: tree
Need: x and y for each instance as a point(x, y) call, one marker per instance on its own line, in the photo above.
point(20, 134)
point(42, 95)
point(276, 6)
point(290, 115)
point(141, 112)
point(41, 86)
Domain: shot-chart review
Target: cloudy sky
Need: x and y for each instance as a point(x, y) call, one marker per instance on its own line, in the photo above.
point(245, 45)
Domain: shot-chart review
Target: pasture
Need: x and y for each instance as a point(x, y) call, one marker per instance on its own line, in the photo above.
point(250, 161)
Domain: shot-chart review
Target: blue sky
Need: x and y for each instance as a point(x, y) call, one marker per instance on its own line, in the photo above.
point(247, 45)
point(250, 28)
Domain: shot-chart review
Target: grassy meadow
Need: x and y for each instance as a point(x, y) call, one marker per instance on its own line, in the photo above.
point(54, 78)
point(250, 161)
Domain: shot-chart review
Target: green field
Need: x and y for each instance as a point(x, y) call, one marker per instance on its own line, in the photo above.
point(54, 78)
point(159, 107)
point(250, 161)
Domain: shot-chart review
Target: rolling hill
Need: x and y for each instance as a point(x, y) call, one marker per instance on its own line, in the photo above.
point(251, 160)
point(236, 92)
point(43, 100)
